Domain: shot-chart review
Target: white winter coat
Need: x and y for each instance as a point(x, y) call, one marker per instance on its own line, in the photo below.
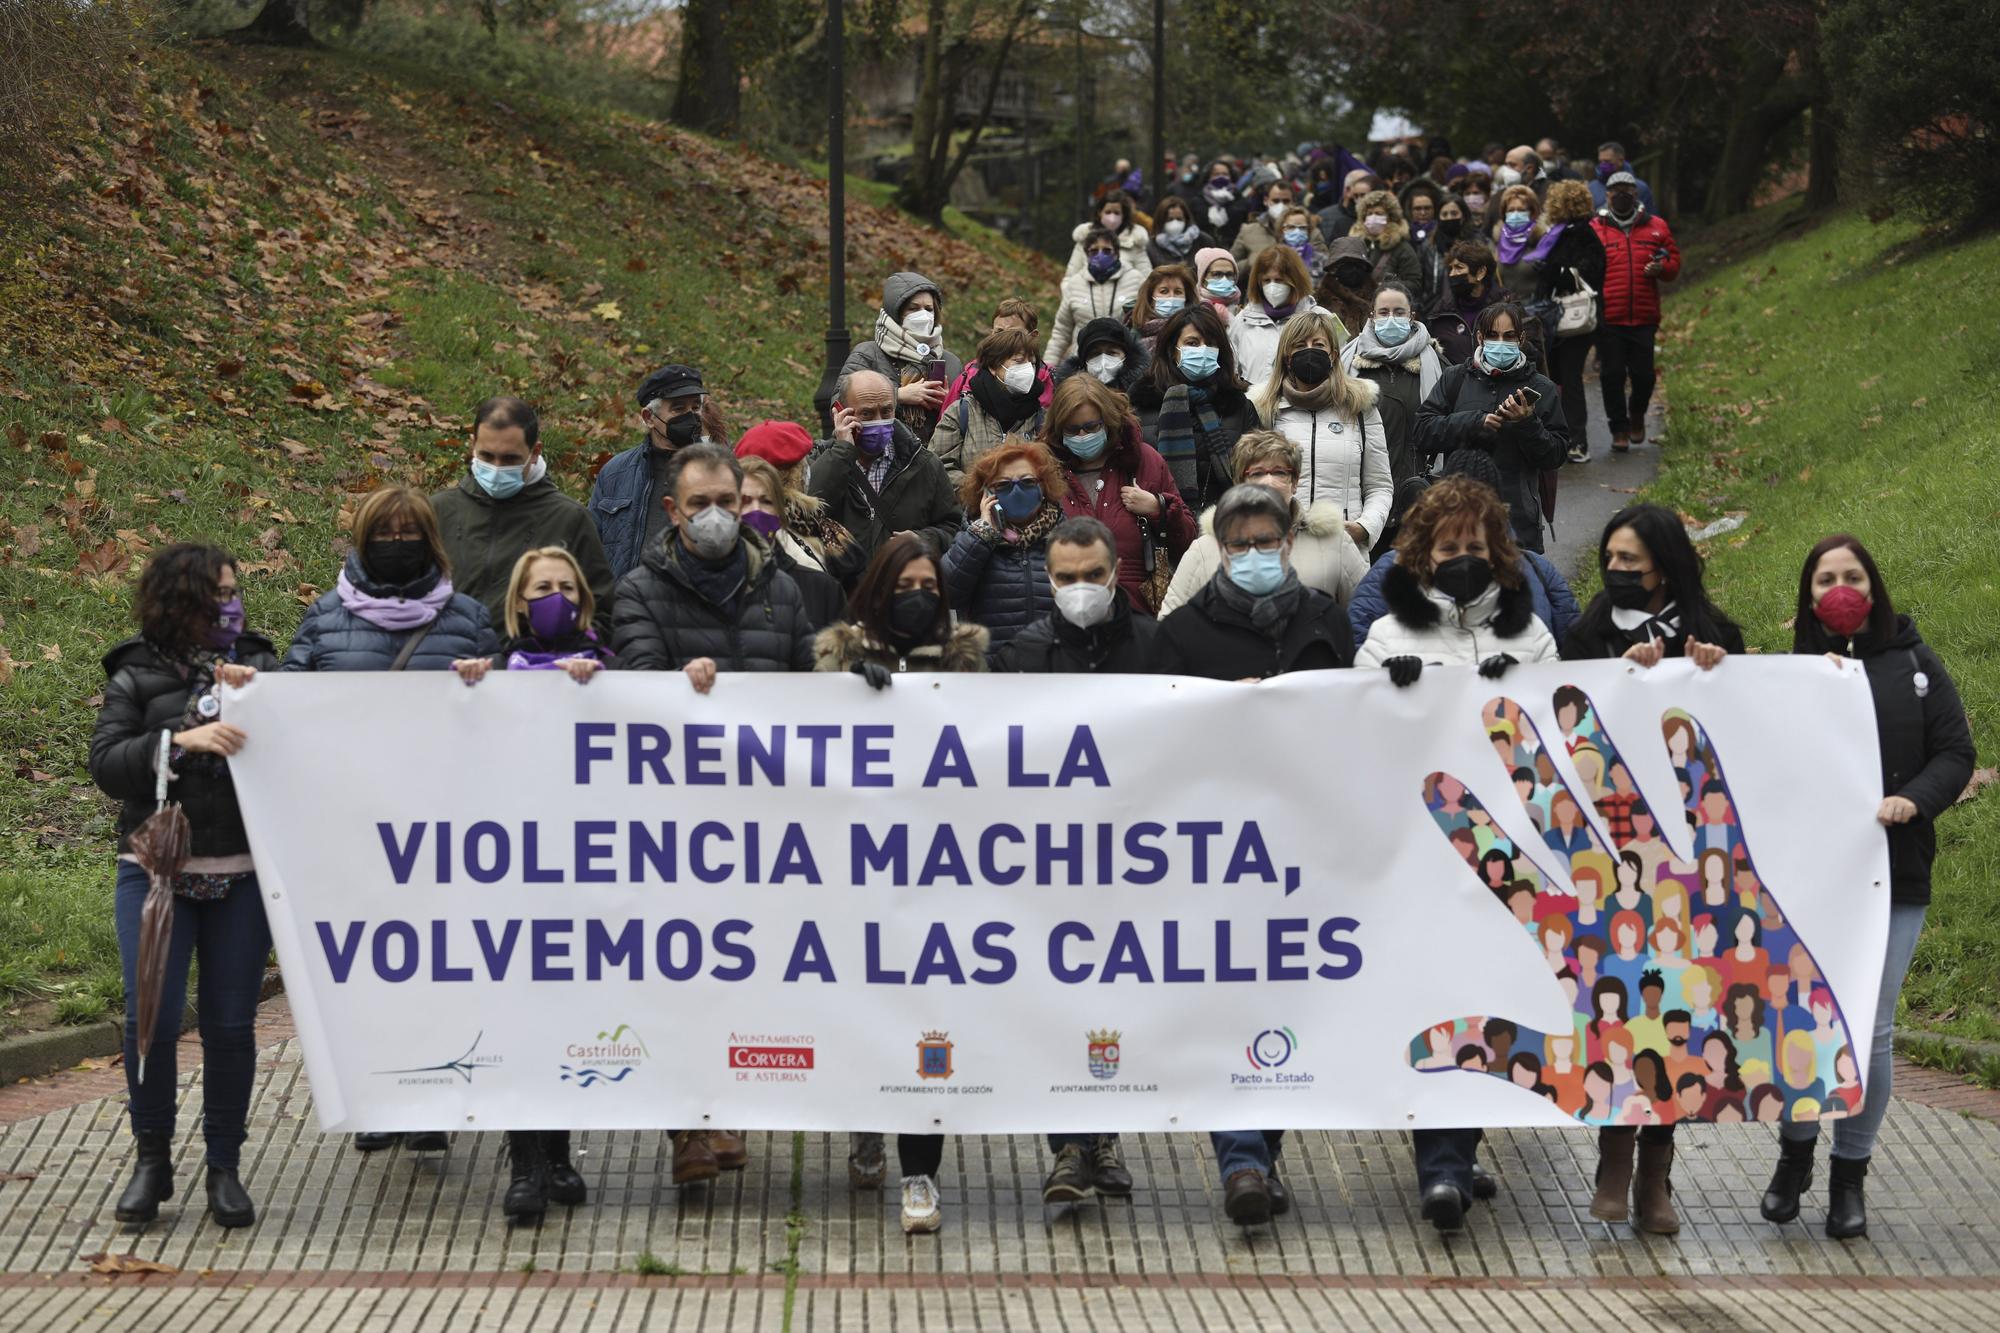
point(1425, 623)
point(1131, 248)
point(1253, 337)
point(1342, 462)
point(1324, 555)
point(1083, 300)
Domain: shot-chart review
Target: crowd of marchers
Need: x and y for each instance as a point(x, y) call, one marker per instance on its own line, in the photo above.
point(1295, 414)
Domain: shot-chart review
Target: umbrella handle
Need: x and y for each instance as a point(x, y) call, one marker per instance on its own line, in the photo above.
point(161, 774)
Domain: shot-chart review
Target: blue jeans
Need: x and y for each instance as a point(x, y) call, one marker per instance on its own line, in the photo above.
point(1445, 1157)
point(1854, 1135)
point(233, 940)
point(1246, 1150)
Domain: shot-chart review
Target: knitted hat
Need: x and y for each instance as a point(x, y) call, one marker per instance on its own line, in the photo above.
point(1103, 329)
point(783, 443)
point(1203, 258)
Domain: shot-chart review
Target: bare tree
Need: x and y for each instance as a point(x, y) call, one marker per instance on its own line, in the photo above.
point(980, 36)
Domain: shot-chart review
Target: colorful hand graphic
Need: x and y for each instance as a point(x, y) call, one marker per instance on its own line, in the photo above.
point(1693, 998)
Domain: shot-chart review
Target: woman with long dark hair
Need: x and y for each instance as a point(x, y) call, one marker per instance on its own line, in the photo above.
point(1191, 405)
point(160, 735)
point(1653, 604)
point(1844, 611)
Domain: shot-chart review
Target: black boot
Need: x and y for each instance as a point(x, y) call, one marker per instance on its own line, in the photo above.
point(228, 1202)
point(1792, 1178)
point(152, 1179)
point(565, 1183)
point(528, 1194)
point(1846, 1209)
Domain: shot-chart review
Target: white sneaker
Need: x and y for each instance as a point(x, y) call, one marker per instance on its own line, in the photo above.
point(920, 1205)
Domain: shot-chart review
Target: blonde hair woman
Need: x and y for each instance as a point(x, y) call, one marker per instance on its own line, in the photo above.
point(1332, 418)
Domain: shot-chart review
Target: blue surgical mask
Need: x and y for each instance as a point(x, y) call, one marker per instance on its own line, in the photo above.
point(1084, 448)
point(502, 483)
point(1017, 499)
point(1166, 307)
point(1295, 237)
point(1517, 219)
point(1392, 330)
point(1499, 355)
point(1198, 363)
point(1222, 287)
point(1257, 572)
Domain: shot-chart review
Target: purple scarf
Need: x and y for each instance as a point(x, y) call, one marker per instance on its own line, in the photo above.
point(1279, 313)
point(394, 613)
point(1512, 243)
point(1541, 252)
point(1306, 255)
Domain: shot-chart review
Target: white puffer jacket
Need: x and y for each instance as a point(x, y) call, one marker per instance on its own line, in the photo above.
point(1083, 301)
point(1253, 337)
point(1343, 462)
point(1425, 623)
point(1132, 248)
point(1324, 555)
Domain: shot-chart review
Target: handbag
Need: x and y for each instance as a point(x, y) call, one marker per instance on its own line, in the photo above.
point(1576, 311)
point(1158, 566)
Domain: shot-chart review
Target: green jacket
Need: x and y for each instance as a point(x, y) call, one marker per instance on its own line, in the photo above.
point(484, 537)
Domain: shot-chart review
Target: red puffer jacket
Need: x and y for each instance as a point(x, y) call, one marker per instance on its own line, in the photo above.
point(1131, 462)
point(1630, 297)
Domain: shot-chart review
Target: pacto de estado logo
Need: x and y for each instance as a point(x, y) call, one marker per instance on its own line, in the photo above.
point(1271, 1048)
point(612, 1057)
point(1103, 1052)
point(1268, 1053)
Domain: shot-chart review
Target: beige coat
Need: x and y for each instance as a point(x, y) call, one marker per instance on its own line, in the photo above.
point(1322, 552)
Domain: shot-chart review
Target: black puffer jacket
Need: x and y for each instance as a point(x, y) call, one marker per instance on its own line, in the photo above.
point(333, 638)
point(999, 584)
point(1453, 418)
point(916, 496)
point(148, 694)
point(1206, 476)
point(1927, 751)
point(661, 619)
point(1122, 645)
point(1208, 637)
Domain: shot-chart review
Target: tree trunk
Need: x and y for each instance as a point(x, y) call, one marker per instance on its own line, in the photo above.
point(278, 23)
point(1765, 102)
point(933, 165)
point(709, 96)
point(1823, 148)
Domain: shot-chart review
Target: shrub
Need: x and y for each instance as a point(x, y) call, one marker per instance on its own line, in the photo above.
point(54, 56)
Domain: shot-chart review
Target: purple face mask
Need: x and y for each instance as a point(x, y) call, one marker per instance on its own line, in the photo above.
point(874, 437)
point(228, 624)
point(1606, 170)
point(762, 522)
point(552, 617)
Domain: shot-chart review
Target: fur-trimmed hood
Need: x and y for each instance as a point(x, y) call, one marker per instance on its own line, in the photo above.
point(1321, 519)
point(843, 647)
point(1506, 610)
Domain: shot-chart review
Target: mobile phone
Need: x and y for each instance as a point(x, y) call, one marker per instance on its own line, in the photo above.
point(937, 369)
point(1529, 396)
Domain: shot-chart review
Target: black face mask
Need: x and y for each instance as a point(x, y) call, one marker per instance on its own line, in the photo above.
point(1310, 366)
point(683, 430)
point(912, 616)
point(395, 563)
point(1448, 228)
point(1463, 577)
point(1627, 589)
point(1461, 285)
point(1352, 276)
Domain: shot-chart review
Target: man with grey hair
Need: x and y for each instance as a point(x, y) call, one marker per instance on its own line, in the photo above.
point(1528, 163)
point(875, 476)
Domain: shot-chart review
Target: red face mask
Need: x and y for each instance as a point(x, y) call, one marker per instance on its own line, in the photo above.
point(1843, 610)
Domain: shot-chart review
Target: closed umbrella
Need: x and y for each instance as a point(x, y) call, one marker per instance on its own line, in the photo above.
point(160, 846)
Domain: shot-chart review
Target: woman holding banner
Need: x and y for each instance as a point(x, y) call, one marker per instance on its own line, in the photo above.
point(393, 609)
point(160, 737)
point(1844, 611)
point(1652, 606)
point(902, 622)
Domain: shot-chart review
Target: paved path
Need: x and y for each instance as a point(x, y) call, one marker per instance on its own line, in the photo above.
point(1592, 492)
point(395, 1242)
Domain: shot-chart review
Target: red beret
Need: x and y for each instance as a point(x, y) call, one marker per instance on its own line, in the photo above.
point(783, 443)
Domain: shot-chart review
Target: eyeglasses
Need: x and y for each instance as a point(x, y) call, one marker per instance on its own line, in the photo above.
point(1012, 485)
point(1083, 428)
point(1264, 545)
point(1272, 473)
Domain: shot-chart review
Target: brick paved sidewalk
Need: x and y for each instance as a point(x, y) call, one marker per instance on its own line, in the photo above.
point(399, 1242)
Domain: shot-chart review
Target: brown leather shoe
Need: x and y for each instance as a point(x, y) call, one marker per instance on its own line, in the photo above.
point(731, 1152)
point(694, 1160)
point(1246, 1199)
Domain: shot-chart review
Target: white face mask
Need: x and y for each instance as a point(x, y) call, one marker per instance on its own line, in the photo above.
point(1110, 221)
point(1085, 604)
point(920, 323)
point(1276, 211)
point(1277, 293)
point(1019, 377)
point(1105, 365)
point(1174, 227)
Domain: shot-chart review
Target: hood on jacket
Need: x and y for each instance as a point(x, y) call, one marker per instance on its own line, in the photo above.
point(1347, 247)
point(840, 647)
point(136, 652)
point(1136, 357)
point(900, 287)
point(1415, 608)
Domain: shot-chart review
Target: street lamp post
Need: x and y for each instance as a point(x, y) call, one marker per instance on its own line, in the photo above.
point(1159, 164)
point(838, 342)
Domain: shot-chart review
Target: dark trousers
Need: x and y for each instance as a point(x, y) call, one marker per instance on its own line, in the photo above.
point(1646, 1133)
point(1246, 1149)
point(919, 1154)
point(1625, 352)
point(1566, 358)
point(1445, 1157)
point(232, 939)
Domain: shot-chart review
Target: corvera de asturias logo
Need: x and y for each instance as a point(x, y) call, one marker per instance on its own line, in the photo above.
point(758, 1057)
point(610, 1058)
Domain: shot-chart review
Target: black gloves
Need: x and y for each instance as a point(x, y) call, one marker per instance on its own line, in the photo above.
point(1496, 666)
point(1403, 671)
point(877, 675)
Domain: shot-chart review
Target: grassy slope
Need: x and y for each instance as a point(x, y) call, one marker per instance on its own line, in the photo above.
point(1838, 382)
point(277, 280)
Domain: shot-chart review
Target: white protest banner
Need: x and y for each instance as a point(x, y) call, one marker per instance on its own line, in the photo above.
point(1005, 904)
